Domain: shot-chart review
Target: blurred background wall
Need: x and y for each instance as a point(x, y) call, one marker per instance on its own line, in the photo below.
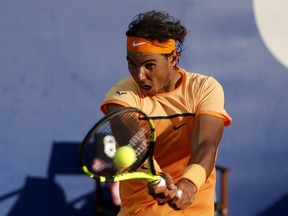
point(58, 59)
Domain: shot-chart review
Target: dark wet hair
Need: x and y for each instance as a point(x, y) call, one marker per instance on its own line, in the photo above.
point(159, 26)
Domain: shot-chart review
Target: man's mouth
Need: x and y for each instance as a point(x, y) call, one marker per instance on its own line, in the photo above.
point(146, 87)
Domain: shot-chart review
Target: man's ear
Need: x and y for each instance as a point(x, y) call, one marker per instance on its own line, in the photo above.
point(174, 57)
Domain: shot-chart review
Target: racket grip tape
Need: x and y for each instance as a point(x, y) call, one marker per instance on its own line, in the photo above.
point(161, 182)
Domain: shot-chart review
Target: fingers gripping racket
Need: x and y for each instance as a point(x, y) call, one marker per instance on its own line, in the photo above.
point(126, 126)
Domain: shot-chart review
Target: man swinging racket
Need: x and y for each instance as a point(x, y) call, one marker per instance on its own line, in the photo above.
point(188, 112)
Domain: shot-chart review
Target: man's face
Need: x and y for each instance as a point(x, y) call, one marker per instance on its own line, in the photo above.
point(154, 73)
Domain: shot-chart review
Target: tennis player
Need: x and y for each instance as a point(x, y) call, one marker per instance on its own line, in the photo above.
point(188, 111)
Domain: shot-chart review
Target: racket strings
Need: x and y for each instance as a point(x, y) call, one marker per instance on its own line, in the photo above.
point(139, 141)
point(124, 129)
point(141, 134)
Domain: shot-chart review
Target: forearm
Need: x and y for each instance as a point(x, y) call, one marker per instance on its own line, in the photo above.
point(204, 155)
point(206, 136)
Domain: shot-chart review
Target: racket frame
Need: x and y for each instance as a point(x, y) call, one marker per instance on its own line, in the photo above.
point(131, 173)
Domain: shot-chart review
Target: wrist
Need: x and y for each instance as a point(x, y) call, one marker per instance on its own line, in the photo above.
point(187, 181)
point(196, 174)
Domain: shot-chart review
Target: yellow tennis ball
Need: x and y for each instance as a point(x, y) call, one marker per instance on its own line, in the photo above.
point(124, 157)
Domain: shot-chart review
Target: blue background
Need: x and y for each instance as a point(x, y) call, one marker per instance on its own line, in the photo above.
point(58, 59)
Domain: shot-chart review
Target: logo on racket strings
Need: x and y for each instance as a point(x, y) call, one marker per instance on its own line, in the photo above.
point(109, 145)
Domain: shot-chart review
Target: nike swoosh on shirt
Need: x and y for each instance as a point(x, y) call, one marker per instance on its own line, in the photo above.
point(177, 127)
point(134, 44)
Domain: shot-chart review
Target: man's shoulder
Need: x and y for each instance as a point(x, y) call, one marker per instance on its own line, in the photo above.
point(197, 77)
point(126, 83)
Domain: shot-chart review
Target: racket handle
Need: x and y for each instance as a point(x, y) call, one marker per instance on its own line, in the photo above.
point(161, 182)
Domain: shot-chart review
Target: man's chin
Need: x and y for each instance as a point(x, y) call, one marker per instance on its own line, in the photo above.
point(148, 94)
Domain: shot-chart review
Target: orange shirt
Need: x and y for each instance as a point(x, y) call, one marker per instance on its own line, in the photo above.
point(173, 114)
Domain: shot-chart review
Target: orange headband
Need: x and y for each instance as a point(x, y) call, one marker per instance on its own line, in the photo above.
point(138, 44)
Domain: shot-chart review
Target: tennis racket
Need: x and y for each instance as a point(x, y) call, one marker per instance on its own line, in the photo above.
point(124, 126)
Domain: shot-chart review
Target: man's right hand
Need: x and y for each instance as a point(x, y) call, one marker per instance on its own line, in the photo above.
point(163, 194)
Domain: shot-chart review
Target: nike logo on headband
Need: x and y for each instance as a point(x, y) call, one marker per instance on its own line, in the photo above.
point(134, 44)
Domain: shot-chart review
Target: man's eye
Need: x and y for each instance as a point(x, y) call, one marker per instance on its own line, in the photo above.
point(149, 66)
